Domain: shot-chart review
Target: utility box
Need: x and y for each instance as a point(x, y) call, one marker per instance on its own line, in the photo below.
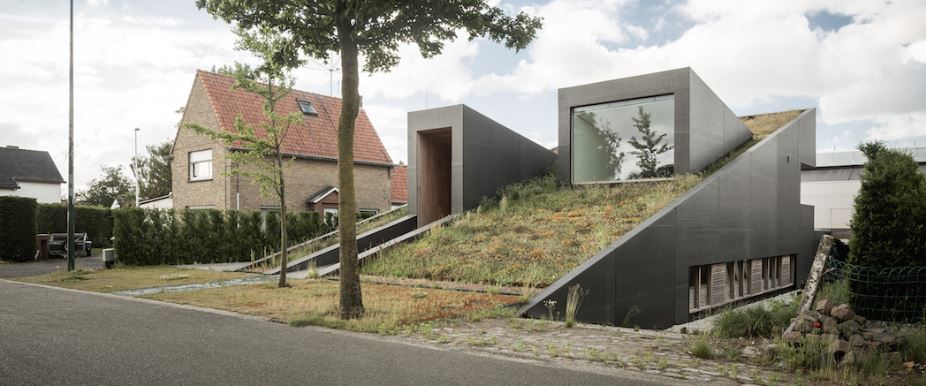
point(109, 257)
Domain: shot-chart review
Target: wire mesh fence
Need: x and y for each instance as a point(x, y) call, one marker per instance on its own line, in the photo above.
point(891, 293)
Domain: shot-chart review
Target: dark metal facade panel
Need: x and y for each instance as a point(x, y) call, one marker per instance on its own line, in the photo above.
point(696, 223)
point(807, 146)
point(747, 209)
point(705, 128)
point(436, 118)
point(495, 156)
point(486, 156)
point(714, 129)
point(673, 82)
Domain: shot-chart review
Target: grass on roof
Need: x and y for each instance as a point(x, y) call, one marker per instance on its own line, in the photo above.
point(762, 125)
point(538, 231)
point(534, 234)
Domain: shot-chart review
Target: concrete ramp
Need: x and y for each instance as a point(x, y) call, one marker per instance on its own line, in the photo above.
point(365, 241)
point(372, 252)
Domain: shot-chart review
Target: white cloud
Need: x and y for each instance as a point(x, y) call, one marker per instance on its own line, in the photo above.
point(899, 126)
point(135, 69)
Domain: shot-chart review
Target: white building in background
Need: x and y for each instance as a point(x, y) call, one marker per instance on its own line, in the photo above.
point(29, 173)
point(163, 202)
point(831, 187)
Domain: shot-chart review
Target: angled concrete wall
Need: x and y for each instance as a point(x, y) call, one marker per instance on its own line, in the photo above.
point(705, 128)
point(485, 155)
point(748, 209)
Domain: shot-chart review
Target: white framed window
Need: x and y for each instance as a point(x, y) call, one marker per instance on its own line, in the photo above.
point(333, 211)
point(201, 165)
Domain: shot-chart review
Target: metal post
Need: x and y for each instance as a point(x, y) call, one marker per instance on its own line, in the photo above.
point(70, 240)
point(135, 168)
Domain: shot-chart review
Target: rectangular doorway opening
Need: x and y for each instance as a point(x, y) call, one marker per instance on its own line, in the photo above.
point(434, 175)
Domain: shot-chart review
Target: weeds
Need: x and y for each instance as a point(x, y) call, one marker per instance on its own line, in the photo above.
point(837, 292)
point(700, 348)
point(312, 273)
point(913, 345)
point(573, 300)
point(755, 322)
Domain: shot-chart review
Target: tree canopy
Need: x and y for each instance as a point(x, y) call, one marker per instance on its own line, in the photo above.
point(889, 221)
point(110, 186)
point(373, 30)
point(377, 27)
point(154, 175)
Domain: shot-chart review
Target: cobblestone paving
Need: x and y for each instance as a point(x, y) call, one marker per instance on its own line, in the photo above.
point(653, 352)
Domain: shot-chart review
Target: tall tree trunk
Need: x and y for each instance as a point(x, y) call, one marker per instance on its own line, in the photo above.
point(351, 297)
point(284, 243)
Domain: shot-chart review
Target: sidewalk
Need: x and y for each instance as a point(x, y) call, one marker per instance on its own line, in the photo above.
point(652, 352)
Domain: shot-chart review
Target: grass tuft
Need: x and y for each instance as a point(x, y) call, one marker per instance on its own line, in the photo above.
point(755, 322)
point(701, 348)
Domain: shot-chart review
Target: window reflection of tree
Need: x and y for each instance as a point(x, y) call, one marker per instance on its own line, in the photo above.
point(606, 155)
point(648, 148)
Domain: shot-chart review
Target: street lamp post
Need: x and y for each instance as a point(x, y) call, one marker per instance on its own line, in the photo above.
point(135, 169)
point(71, 212)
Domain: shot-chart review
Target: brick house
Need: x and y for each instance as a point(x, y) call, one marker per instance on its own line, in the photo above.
point(399, 185)
point(201, 168)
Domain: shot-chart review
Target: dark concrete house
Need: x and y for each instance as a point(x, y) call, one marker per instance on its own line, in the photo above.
point(741, 233)
point(457, 156)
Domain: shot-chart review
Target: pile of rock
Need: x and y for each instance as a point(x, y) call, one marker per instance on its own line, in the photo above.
point(847, 332)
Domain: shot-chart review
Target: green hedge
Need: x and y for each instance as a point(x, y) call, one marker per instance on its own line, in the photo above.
point(17, 228)
point(97, 222)
point(889, 221)
point(159, 236)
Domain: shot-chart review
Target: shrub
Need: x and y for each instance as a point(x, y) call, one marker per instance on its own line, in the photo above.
point(96, 222)
point(889, 222)
point(17, 228)
point(157, 236)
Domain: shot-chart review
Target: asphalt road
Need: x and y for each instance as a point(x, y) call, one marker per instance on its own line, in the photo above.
point(52, 336)
point(10, 269)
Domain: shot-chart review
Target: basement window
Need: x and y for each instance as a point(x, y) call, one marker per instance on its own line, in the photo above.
point(714, 285)
point(307, 108)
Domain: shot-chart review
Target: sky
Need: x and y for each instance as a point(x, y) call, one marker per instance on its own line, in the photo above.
point(861, 63)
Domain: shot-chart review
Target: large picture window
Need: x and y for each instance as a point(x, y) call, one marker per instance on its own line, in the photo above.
point(627, 140)
point(201, 165)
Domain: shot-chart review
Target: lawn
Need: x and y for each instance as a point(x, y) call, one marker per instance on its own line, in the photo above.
point(389, 309)
point(126, 278)
point(538, 231)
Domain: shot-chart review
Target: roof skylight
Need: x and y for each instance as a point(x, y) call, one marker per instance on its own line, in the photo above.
point(307, 107)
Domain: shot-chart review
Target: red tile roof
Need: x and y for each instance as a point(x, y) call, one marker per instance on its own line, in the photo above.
point(400, 184)
point(318, 135)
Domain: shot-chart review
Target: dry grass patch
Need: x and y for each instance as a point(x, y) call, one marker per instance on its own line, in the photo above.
point(389, 309)
point(127, 278)
point(764, 124)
